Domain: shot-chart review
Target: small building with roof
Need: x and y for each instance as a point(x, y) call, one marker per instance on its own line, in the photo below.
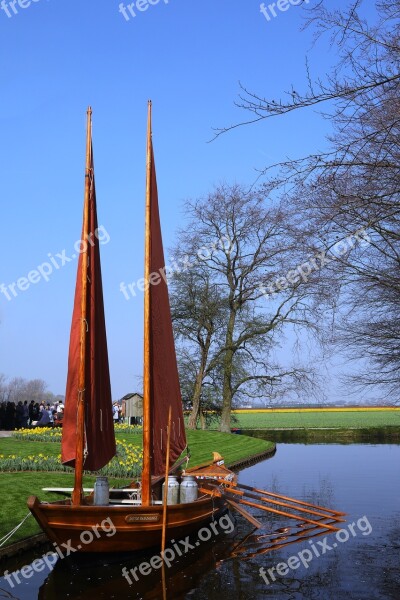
point(132, 408)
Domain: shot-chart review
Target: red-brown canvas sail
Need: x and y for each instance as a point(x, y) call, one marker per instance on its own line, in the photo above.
point(88, 327)
point(164, 388)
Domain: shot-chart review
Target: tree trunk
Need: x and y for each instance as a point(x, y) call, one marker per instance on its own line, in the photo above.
point(192, 423)
point(194, 415)
point(227, 385)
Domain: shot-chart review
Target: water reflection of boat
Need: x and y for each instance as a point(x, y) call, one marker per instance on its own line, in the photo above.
point(92, 578)
point(89, 578)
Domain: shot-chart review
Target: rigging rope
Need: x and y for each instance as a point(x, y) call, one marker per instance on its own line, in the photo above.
point(5, 538)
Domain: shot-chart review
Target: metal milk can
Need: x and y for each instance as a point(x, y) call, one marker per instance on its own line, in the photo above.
point(173, 490)
point(101, 492)
point(188, 489)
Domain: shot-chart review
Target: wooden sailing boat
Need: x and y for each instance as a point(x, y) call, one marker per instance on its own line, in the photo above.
point(138, 516)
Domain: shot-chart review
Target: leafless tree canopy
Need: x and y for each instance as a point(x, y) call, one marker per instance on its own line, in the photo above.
point(20, 389)
point(228, 324)
point(355, 185)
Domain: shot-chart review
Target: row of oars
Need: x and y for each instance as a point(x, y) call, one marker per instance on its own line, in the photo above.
point(239, 495)
point(312, 520)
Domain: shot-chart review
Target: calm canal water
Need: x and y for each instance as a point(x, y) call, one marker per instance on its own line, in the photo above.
point(359, 479)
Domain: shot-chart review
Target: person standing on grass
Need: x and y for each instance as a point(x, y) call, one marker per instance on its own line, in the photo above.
point(36, 412)
point(10, 416)
point(25, 414)
point(2, 415)
point(31, 412)
point(19, 414)
point(50, 410)
point(115, 413)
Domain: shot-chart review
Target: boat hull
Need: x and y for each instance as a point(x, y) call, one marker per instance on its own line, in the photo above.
point(89, 528)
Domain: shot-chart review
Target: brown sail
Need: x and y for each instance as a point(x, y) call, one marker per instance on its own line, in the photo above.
point(163, 390)
point(88, 380)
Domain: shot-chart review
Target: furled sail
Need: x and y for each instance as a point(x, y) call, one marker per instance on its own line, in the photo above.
point(163, 389)
point(88, 379)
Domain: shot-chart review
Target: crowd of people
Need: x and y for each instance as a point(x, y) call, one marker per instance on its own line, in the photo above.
point(21, 415)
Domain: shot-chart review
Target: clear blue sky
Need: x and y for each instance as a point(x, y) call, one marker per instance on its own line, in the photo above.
point(58, 56)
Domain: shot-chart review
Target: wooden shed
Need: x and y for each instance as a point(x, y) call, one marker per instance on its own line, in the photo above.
point(132, 408)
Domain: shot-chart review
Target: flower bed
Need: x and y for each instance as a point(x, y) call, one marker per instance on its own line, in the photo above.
point(126, 463)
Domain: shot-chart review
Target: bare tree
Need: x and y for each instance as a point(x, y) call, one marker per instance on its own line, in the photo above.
point(368, 63)
point(16, 389)
point(244, 246)
point(3, 388)
point(354, 187)
point(20, 389)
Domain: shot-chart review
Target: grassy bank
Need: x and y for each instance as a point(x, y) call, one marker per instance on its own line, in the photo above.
point(336, 435)
point(17, 486)
point(322, 418)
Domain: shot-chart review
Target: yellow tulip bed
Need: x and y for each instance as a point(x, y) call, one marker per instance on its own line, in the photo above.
point(126, 463)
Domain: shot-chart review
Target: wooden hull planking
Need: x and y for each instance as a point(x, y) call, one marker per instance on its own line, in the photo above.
point(88, 528)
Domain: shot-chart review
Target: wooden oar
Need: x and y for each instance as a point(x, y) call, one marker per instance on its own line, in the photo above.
point(280, 512)
point(165, 500)
point(231, 490)
point(257, 524)
point(263, 492)
point(259, 497)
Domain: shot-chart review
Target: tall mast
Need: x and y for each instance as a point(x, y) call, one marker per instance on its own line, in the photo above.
point(147, 425)
point(77, 494)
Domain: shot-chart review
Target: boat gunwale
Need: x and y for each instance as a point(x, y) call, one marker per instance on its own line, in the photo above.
point(34, 502)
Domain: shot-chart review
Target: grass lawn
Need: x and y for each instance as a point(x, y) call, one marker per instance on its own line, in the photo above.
point(16, 487)
point(24, 448)
point(317, 419)
point(232, 447)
